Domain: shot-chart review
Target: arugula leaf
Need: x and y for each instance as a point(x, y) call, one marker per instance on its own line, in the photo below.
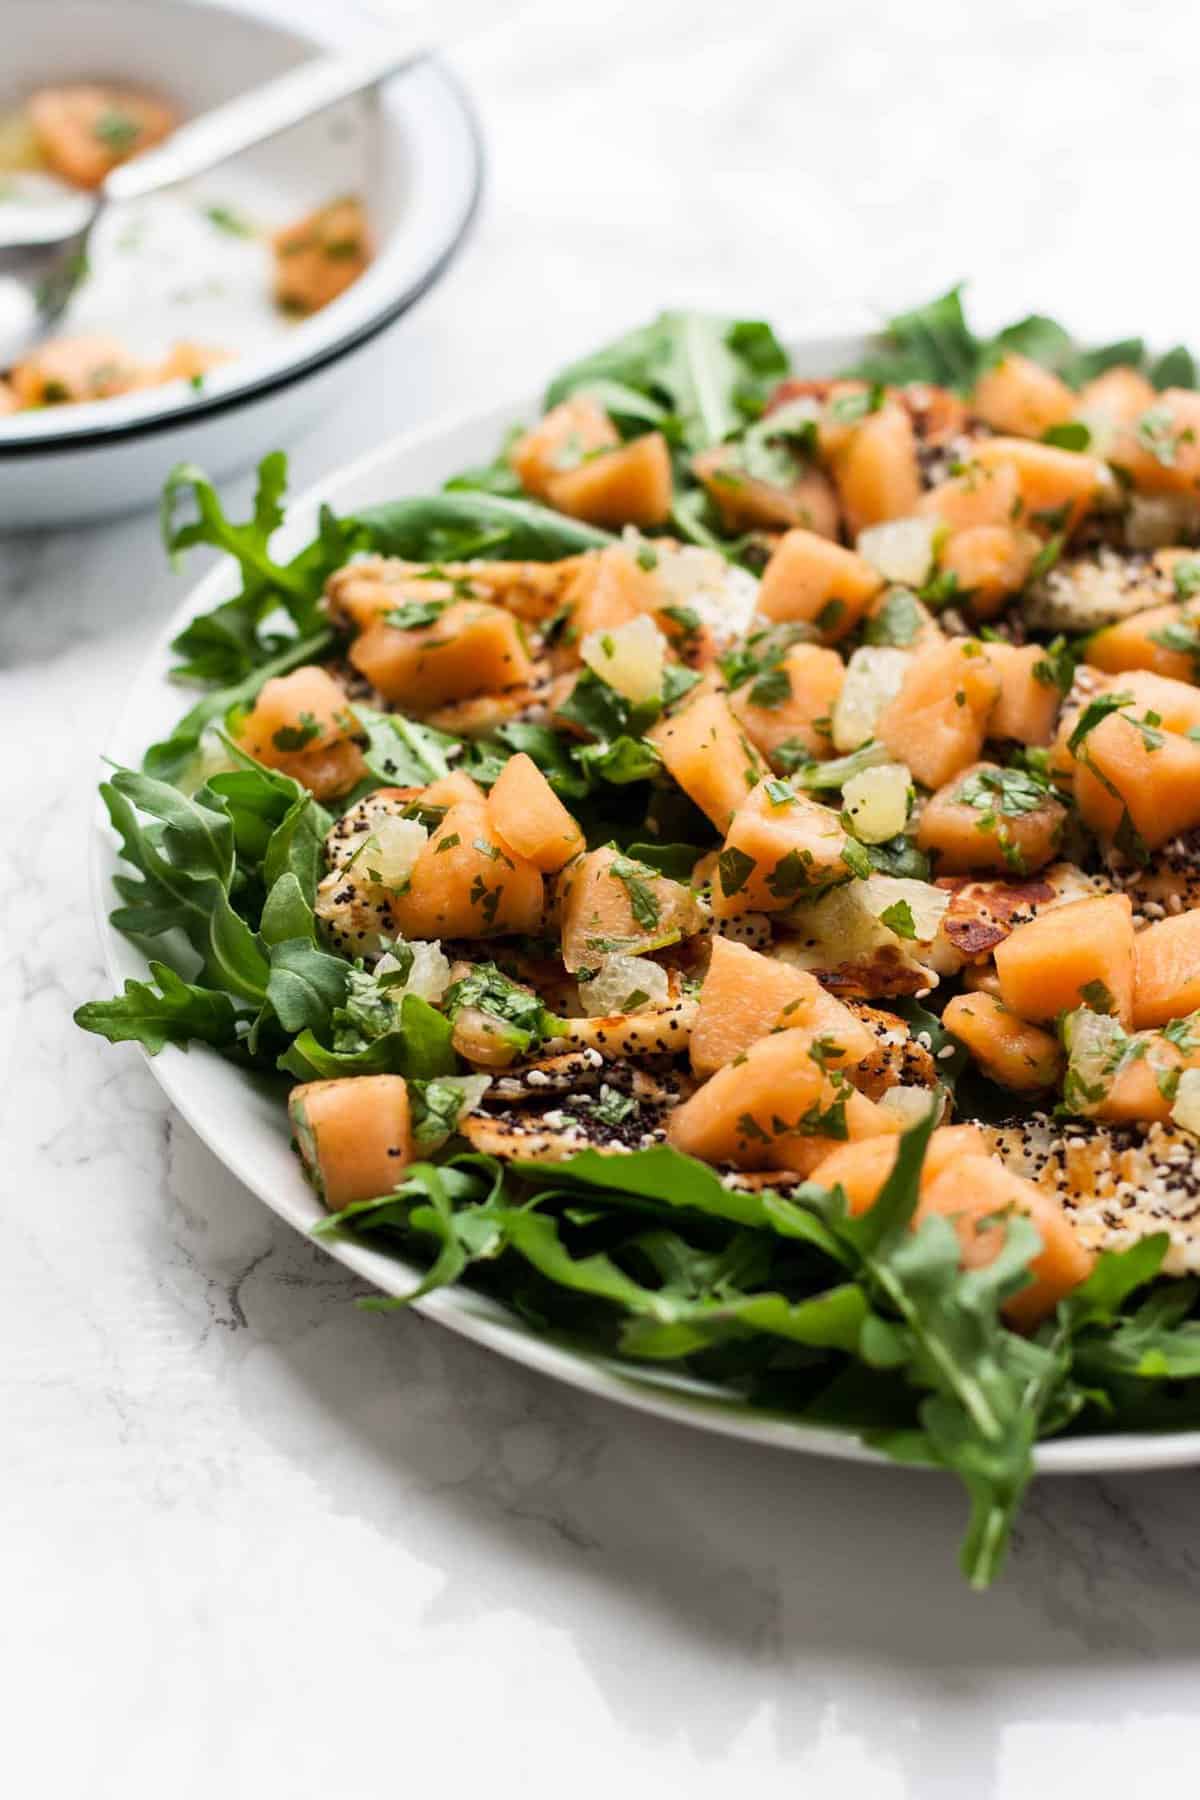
point(416, 1043)
point(304, 985)
point(455, 527)
point(164, 1010)
point(402, 753)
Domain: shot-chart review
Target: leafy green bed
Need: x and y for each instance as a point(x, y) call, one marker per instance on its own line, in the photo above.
point(858, 1325)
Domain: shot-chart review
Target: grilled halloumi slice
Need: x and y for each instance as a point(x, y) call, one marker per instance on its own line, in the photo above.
point(981, 914)
point(1098, 587)
point(626, 1112)
point(617, 1037)
point(363, 590)
point(1117, 1183)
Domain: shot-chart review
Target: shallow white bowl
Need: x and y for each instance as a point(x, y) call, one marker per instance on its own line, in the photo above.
point(242, 1119)
point(412, 149)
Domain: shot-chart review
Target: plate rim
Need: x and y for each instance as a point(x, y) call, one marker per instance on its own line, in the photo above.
point(471, 1315)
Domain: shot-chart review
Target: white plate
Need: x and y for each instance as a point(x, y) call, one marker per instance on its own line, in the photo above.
point(411, 149)
point(243, 1121)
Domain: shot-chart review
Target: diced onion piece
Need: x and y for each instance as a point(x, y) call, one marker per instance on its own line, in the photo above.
point(429, 974)
point(630, 659)
point(392, 849)
point(873, 677)
point(1186, 1107)
point(624, 984)
point(902, 550)
point(910, 1104)
point(875, 803)
point(926, 904)
point(1094, 1043)
point(722, 596)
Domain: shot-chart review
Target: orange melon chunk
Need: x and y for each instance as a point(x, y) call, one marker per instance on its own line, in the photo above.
point(1029, 699)
point(745, 995)
point(707, 752)
point(774, 1107)
point(1166, 970)
point(575, 429)
point(876, 472)
point(1134, 643)
point(1142, 1091)
point(936, 723)
point(972, 1192)
point(452, 789)
point(470, 648)
point(746, 503)
point(466, 884)
point(793, 704)
point(70, 369)
point(780, 848)
point(822, 584)
point(979, 495)
point(610, 904)
point(303, 725)
point(1118, 394)
point(860, 1169)
point(1160, 449)
point(1048, 479)
point(629, 486)
point(966, 828)
point(990, 563)
point(1011, 1052)
point(1018, 396)
point(1080, 954)
point(531, 818)
point(1154, 779)
point(84, 130)
point(354, 1135)
point(607, 591)
point(321, 255)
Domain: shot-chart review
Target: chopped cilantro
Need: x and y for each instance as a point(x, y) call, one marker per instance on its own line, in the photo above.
point(643, 902)
point(899, 918)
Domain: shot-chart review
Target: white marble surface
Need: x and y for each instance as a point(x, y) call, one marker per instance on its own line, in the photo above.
point(255, 1542)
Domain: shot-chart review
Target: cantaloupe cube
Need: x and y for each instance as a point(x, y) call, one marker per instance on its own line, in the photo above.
point(354, 1135)
point(1142, 1090)
point(321, 255)
point(811, 580)
point(1150, 774)
point(1134, 643)
point(610, 905)
point(1080, 954)
point(861, 1168)
point(745, 995)
point(708, 753)
point(780, 848)
point(1160, 449)
point(85, 129)
point(1009, 1050)
point(1017, 395)
point(578, 427)
point(970, 825)
point(937, 722)
point(774, 1107)
point(69, 369)
point(452, 790)
point(629, 486)
point(1049, 479)
point(876, 472)
point(470, 648)
point(990, 563)
point(793, 703)
point(746, 503)
point(971, 1193)
point(979, 495)
point(1028, 703)
point(1118, 394)
point(1177, 703)
point(465, 883)
point(530, 817)
point(1166, 970)
point(608, 590)
point(303, 725)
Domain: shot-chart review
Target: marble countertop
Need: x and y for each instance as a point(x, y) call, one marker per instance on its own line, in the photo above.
point(254, 1541)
